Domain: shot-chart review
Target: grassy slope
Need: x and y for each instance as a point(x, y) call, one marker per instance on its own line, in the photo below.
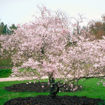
point(91, 89)
point(5, 73)
point(4, 64)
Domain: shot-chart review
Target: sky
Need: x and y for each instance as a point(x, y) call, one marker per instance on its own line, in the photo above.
point(21, 11)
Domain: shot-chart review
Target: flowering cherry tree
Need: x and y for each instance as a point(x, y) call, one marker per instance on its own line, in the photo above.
point(44, 46)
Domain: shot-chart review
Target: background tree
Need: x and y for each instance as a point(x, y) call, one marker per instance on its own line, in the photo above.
point(12, 28)
point(5, 30)
point(97, 28)
point(1, 27)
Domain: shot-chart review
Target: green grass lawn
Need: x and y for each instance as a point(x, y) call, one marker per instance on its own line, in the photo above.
point(90, 89)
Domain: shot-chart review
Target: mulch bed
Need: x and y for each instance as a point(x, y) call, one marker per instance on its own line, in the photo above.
point(36, 87)
point(47, 100)
point(59, 100)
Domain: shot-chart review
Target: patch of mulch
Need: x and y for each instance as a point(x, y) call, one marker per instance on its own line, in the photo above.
point(29, 87)
point(37, 87)
point(59, 100)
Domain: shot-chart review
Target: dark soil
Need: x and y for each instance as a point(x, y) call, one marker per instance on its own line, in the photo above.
point(59, 100)
point(37, 87)
point(47, 100)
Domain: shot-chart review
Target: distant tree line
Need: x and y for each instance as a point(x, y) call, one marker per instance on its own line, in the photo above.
point(5, 30)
